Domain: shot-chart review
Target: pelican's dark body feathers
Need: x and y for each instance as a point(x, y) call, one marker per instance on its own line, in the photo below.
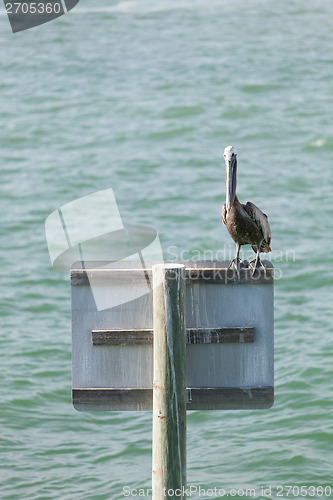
point(247, 225)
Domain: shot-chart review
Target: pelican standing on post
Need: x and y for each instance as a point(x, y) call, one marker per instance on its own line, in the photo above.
point(247, 224)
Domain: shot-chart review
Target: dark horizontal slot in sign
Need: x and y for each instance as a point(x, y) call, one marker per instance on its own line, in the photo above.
point(225, 335)
point(197, 397)
point(122, 337)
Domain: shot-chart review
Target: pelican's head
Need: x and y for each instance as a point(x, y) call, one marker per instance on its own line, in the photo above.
point(229, 154)
point(230, 158)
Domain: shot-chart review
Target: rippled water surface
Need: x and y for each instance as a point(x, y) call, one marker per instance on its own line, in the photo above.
point(142, 96)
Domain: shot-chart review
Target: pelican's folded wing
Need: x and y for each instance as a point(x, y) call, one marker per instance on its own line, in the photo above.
point(260, 219)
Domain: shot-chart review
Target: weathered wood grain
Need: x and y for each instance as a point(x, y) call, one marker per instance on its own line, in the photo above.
point(169, 380)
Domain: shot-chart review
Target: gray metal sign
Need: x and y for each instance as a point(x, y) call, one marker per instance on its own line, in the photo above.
point(229, 336)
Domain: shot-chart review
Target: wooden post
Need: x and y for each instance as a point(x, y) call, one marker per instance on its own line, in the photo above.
point(169, 387)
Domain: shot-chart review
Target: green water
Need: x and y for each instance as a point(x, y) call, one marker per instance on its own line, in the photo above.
point(143, 97)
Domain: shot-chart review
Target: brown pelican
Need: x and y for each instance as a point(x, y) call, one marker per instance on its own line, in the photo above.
point(247, 224)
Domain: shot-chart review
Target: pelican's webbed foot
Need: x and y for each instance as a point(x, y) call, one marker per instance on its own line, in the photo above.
point(236, 263)
point(256, 264)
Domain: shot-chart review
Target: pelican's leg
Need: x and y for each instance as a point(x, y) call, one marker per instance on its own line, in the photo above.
point(236, 261)
point(257, 263)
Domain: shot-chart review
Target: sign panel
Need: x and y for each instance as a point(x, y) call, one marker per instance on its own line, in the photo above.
point(229, 322)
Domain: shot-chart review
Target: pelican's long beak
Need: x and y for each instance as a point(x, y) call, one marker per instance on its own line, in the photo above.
point(231, 170)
